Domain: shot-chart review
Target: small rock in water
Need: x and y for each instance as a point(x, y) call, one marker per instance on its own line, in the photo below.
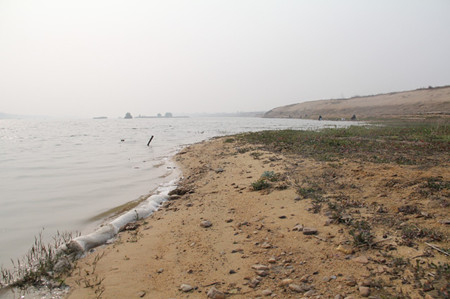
point(215, 294)
point(206, 223)
point(186, 288)
point(309, 231)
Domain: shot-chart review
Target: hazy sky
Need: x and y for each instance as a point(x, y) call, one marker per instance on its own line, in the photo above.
point(106, 57)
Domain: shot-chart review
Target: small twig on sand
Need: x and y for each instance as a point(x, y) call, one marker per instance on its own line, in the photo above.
point(437, 248)
point(210, 284)
point(320, 238)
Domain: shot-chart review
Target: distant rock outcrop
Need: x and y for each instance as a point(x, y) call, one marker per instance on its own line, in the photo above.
point(420, 102)
point(128, 115)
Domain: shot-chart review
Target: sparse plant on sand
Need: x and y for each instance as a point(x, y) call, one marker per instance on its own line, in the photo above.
point(43, 262)
point(263, 181)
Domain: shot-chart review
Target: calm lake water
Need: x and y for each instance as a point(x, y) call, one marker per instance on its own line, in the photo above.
point(67, 174)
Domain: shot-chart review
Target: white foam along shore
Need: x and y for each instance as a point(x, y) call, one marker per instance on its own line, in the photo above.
point(108, 231)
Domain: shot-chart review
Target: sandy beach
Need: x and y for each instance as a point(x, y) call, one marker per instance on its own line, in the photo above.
point(219, 238)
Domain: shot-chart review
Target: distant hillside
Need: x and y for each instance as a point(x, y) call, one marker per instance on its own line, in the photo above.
point(420, 102)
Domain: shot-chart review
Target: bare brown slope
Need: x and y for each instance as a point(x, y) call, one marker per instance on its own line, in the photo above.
point(421, 102)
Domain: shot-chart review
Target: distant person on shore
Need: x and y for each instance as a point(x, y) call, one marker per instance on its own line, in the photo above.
point(320, 117)
point(353, 117)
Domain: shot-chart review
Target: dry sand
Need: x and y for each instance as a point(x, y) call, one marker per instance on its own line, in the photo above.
point(419, 103)
point(250, 228)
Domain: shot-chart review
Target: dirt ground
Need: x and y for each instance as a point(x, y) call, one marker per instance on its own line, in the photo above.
point(315, 229)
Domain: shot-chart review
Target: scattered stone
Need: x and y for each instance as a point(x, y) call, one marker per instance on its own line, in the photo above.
point(262, 273)
point(309, 293)
point(305, 278)
point(295, 288)
point(298, 227)
point(445, 221)
point(206, 223)
point(350, 281)
point(366, 283)
point(175, 197)
point(229, 220)
point(338, 296)
point(215, 294)
point(326, 279)
point(297, 198)
point(361, 259)
point(186, 288)
point(260, 267)
point(364, 291)
point(253, 283)
point(161, 270)
point(309, 231)
point(285, 282)
point(232, 271)
point(142, 294)
point(266, 245)
point(266, 292)
point(345, 249)
point(272, 260)
point(282, 217)
point(299, 288)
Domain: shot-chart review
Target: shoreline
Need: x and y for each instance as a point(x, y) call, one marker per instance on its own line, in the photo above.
point(219, 233)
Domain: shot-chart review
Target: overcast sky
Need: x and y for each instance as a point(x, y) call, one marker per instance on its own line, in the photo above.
point(107, 57)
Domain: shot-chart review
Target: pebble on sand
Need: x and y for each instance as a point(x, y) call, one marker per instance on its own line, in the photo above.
point(309, 231)
point(215, 294)
point(205, 223)
point(186, 288)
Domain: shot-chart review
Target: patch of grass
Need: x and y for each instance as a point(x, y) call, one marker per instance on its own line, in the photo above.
point(263, 181)
point(411, 232)
point(437, 184)
point(229, 140)
point(405, 143)
point(270, 175)
point(362, 234)
point(260, 185)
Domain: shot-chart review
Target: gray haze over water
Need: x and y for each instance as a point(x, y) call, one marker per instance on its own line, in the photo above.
point(106, 57)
